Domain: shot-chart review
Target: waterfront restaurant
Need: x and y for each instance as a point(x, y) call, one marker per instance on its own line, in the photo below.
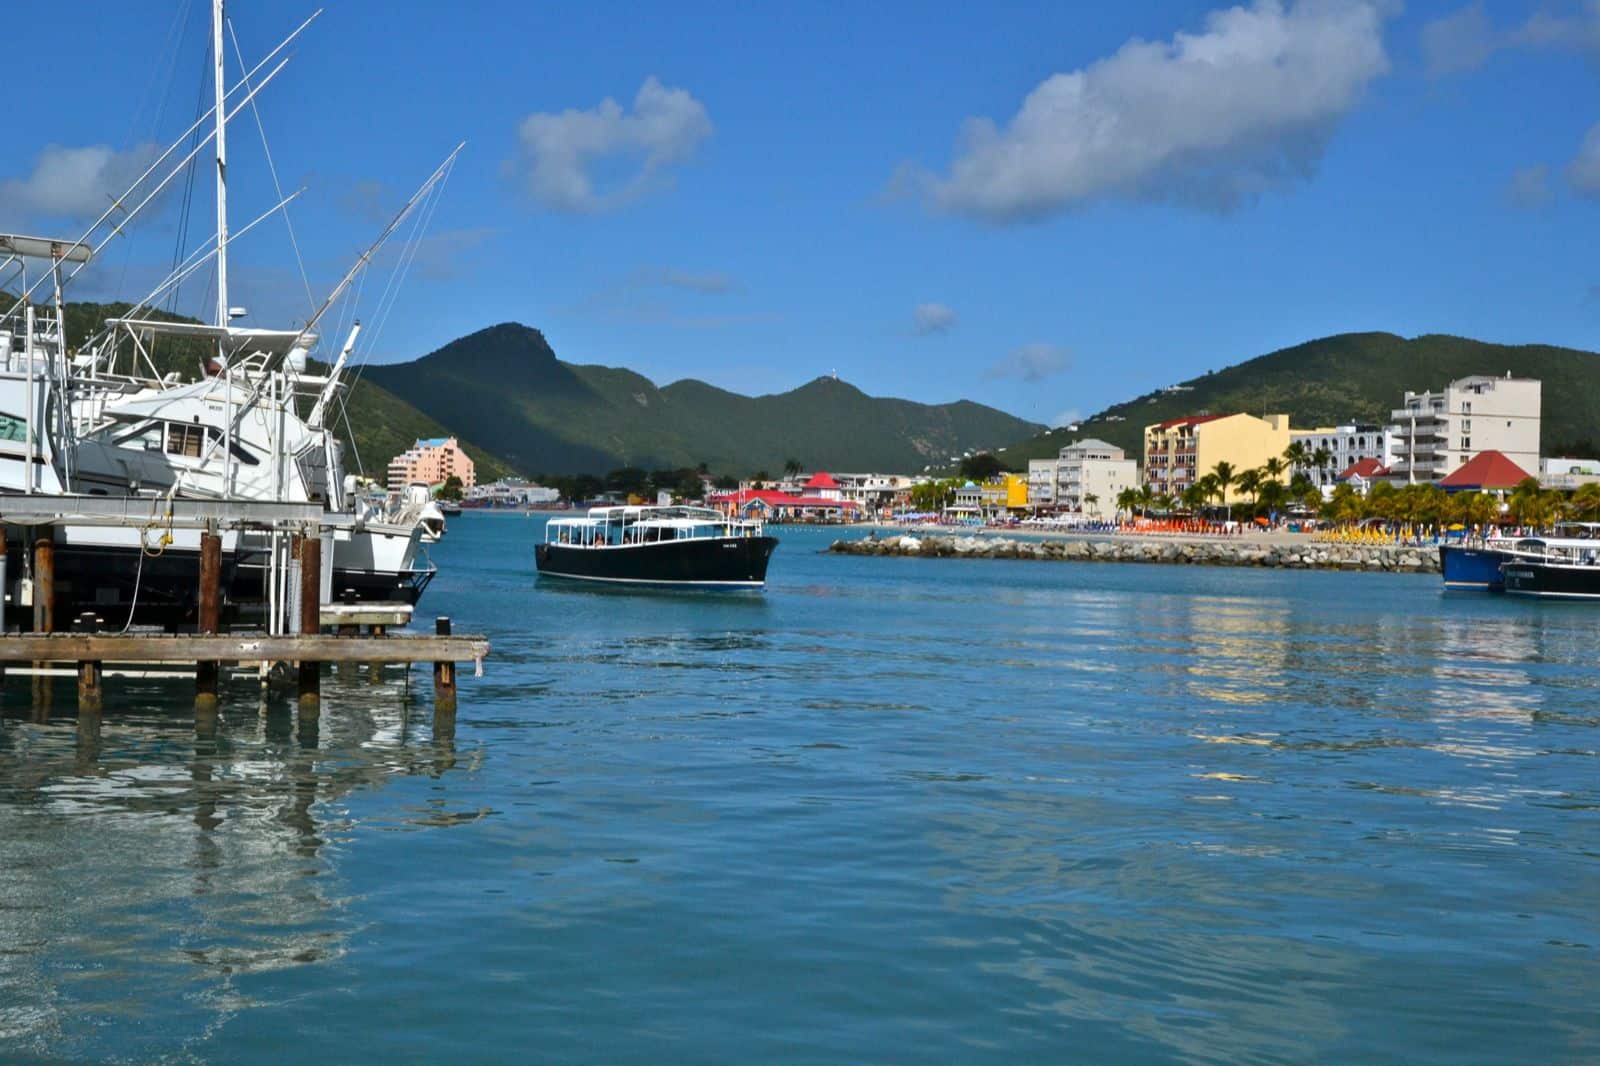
point(1489, 471)
point(773, 506)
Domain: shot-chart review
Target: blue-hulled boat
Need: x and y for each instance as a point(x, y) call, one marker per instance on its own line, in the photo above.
point(1472, 569)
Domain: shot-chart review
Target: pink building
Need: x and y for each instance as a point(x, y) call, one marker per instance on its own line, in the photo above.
point(431, 462)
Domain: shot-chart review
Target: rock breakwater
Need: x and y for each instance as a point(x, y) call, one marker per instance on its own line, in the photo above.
point(1294, 556)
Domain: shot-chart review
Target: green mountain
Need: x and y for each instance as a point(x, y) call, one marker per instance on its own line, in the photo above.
point(1351, 376)
point(543, 415)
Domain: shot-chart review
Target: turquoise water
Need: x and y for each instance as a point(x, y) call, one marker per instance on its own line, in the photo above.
point(892, 810)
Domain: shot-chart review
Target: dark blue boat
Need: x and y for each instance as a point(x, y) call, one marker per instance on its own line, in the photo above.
point(1472, 569)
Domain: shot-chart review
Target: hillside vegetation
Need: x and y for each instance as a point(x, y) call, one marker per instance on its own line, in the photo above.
point(1352, 376)
point(541, 414)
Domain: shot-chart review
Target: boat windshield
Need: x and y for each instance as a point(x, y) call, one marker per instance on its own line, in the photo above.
point(616, 527)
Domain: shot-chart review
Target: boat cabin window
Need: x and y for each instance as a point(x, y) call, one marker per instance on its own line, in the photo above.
point(147, 438)
point(12, 427)
point(185, 440)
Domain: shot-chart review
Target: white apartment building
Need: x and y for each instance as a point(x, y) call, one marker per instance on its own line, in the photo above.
point(1347, 444)
point(1083, 469)
point(1439, 431)
point(874, 491)
point(1042, 482)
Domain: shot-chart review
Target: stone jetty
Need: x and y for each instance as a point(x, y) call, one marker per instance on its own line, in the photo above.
point(1297, 555)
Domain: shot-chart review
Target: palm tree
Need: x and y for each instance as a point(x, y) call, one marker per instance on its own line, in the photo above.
point(1249, 483)
point(1127, 500)
point(1147, 496)
point(792, 466)
point(1224, 474)
point(1585, 501)
point(1323, 460)
point(1296, 454)
point(1088, 501)
point(1272, 469)
point(1530, 504)
point(1195, 496)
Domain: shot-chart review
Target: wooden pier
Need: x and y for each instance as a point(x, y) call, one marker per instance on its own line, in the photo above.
point(88, 652)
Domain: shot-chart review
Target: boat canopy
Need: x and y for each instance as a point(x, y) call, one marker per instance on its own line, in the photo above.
point(44, 248)
point(233, 339)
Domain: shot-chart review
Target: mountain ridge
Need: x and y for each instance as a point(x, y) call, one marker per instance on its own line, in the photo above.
point(548, 416)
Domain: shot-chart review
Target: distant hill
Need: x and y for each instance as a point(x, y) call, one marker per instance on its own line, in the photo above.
point(1352, 376)
point(540, 414)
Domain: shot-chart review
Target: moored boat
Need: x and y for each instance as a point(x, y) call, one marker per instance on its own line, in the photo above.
point(1472, 567)
point(1553, 568)
point(683, 546)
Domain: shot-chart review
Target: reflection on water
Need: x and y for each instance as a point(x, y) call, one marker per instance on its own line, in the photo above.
point(153, 847)
point(893, 809)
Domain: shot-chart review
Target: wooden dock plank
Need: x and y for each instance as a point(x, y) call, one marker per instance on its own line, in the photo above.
point(229, 647)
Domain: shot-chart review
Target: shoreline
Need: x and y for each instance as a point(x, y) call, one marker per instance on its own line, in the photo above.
point(1279, 552)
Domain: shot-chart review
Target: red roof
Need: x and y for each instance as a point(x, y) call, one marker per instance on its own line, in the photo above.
point(822, 480)
point(1486, 470)
point(1367, 469)
point(773, 498)
point(1189, 420)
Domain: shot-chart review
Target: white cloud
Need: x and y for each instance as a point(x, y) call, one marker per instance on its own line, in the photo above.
point(1583, 173)
point(933, 318)
point(1457, 42)
point(74, 183)
point(709, 282)
point(1579, 31)
point(561, 151)
point(1529, 186)
point(1031, 362)
point(1464, 40)
point(1211, 118)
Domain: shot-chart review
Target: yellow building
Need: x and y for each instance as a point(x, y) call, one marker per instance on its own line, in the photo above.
point(1005, 492)
point(1179, 452)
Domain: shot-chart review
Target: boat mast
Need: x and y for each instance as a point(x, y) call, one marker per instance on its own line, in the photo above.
point(217, 76)
point(222, 163)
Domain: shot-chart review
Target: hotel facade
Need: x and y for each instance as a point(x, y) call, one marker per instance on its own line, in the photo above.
point(1179, 452)
point(431, 461)
point(1438, 432)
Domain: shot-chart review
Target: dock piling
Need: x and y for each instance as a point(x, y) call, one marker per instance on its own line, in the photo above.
point(206, 671)
point(91, 692)
point(44, 581)
point(310, 617)
point(444, 673)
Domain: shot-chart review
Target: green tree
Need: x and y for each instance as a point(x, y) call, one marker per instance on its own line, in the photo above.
point(1272, 469)
point(1088, 502)
point(934, 495)
point(1223, 472)
point(726, 482)
point(982, 467)
point(1128, 500)
point(792, 467)
point(451, 489)
point(1530, 505)
point(1586, 502)
point(1249, 483)
point(1194, 497)
point(689, 487)
point(1296, 454)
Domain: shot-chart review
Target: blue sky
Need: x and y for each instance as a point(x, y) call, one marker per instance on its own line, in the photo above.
point(780, 191)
